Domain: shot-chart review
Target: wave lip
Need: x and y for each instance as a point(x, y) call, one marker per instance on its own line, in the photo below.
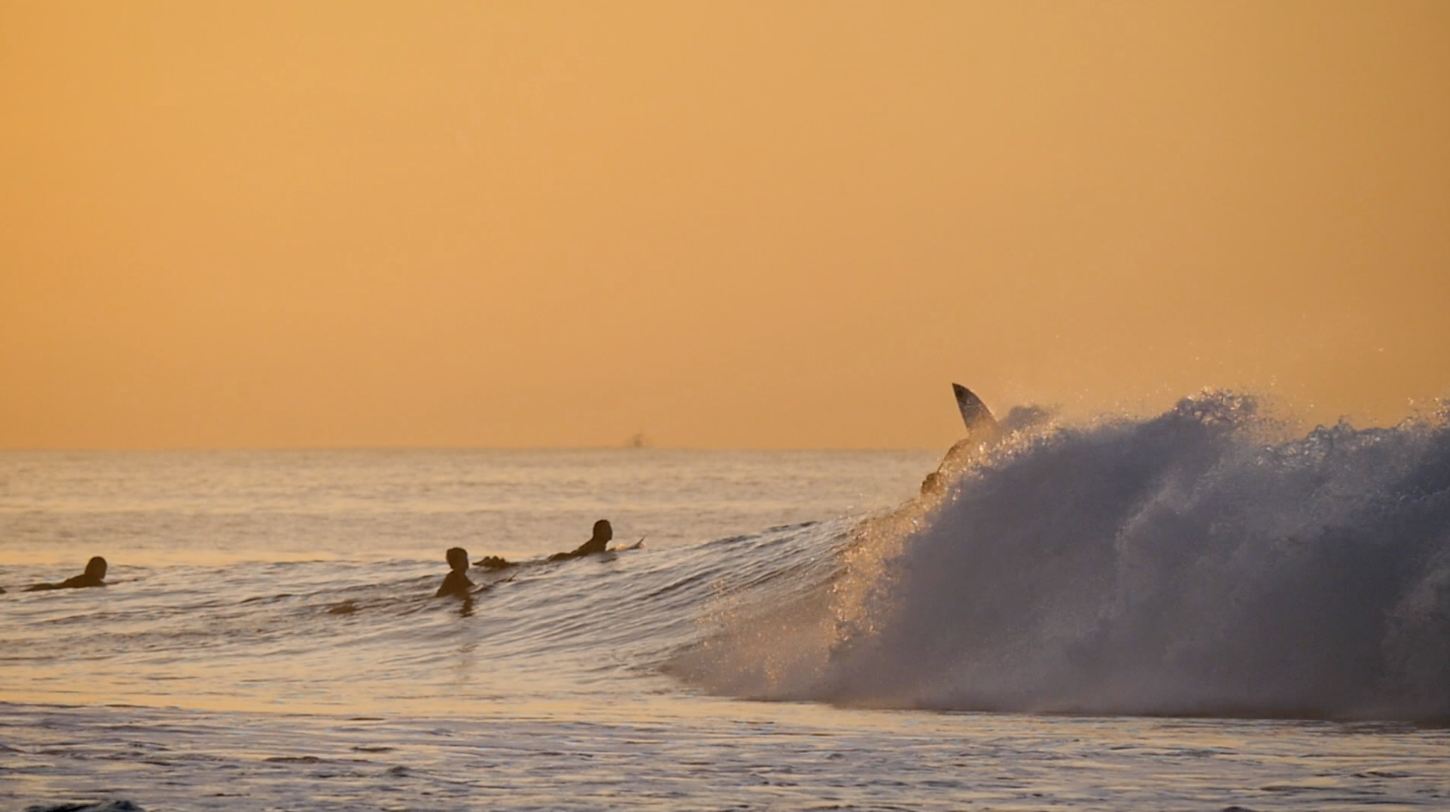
point(1175, 565)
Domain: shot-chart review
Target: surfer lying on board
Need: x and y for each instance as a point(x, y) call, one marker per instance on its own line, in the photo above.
point(95, 575)
point(496, 562)
point(603, 533)
point(456, 582)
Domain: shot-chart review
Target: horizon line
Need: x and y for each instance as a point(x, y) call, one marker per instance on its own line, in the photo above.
point(199, 448)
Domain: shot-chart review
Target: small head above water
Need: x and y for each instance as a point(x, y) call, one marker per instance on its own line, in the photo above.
point(602, 530)
point(457, 559)
point(96, 568)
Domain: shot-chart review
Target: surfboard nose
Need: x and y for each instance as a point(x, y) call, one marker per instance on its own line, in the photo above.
point(975, 413)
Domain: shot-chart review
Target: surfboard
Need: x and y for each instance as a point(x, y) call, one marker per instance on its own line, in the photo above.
point(974, 412)
point(981, 432)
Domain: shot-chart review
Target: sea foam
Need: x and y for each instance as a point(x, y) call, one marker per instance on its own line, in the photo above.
point(1179, 564)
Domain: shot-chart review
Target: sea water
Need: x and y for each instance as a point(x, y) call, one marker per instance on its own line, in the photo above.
point(1193, 610)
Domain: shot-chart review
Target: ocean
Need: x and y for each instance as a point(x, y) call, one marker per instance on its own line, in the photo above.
point(1196, 610)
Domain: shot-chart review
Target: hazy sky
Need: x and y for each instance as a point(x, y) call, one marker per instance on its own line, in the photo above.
point(722, 224)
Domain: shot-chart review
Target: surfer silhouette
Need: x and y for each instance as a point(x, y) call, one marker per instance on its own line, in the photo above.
point(934, 482)
point(496, 562)
point(456, 581)
point(603, 532)
point(95, 575)
point(982, 428)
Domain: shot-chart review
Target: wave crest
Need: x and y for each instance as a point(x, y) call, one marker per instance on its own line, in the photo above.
point(1179, 564)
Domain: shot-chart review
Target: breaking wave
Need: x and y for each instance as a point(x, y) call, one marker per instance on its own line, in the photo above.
point(1183, 564)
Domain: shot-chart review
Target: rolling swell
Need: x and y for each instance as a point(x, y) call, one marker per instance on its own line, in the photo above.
point(1175, 565)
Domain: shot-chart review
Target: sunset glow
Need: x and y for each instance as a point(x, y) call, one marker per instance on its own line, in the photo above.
point(719, 224)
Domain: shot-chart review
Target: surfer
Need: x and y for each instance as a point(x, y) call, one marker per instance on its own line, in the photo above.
point(982, 428)
point(456, 581)
point(934, 482)
point(495, 562)
point(602, 534)
point(95, 575)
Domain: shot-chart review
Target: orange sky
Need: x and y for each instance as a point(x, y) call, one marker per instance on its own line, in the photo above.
point(724, 224)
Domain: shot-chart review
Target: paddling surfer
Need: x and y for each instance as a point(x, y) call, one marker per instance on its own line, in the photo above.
point(496, 562)
point(95, 575)
point(603, 532)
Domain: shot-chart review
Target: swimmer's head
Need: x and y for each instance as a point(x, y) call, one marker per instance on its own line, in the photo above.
point(457, 558)
point(602, 530)
point(96, 567)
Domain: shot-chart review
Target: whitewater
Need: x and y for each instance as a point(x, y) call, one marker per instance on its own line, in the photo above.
point(1199, 609)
